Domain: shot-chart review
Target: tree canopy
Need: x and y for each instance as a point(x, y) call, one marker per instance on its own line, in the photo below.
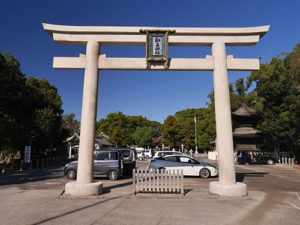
point(170, 132)
point(143, 136)
point(30, 111)
point(126, 130)
point(276, 96)
point(70, 124)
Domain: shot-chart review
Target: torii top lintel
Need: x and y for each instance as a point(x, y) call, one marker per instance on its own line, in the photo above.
point(132, 36)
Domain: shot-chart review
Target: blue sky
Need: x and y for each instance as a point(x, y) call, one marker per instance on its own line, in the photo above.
point(152, 94)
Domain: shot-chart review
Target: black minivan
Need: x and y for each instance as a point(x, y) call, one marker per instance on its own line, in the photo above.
point(107, 163)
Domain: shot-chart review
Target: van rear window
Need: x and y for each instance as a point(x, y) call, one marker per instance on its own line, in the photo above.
point(114, 156)
point(126, 153)
point(103, 156)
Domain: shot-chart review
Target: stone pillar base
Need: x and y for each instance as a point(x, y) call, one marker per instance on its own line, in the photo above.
point(231, 190)
point(75, 189)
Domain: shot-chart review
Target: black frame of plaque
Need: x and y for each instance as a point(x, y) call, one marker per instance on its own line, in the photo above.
point(157, 59)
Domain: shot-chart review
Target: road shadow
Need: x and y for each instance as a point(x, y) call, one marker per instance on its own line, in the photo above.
point(75, 210)
point(35, 175)
point(241, 176)
point(108, 189)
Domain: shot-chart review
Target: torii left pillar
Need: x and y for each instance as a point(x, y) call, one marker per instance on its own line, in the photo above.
point(84, 185)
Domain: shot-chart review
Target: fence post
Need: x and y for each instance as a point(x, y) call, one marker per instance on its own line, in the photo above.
point(150, 180)
point(133, 181)
point(161, 172)
point(182, 190)
point(157, 179)
point(138, 188)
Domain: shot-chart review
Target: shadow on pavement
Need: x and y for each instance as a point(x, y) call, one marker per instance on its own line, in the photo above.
point(74, 211)
point(241, 176)
point(108, 189)
point(34, 175)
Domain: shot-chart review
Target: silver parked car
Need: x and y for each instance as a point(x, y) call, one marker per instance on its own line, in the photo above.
point(189, 165)
point(107, 163)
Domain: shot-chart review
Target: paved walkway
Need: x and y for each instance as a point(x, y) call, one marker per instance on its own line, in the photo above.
point(41, 202)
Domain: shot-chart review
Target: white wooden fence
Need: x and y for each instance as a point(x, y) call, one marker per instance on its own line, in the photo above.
point(158, 181)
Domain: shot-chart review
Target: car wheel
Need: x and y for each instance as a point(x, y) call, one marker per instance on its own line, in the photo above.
point(204, 173)
point(113, 175)
point(71, 174)
point(147, 157)
point(270, 162)
point(141, 158)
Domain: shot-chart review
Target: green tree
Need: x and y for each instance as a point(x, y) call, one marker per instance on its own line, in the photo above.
point(30, 109)
point(276, 87)
point(114, 125)
point(206, 128)
point(143, 136)
point(46, 116)
point(187, 134)
point(13, 105)
point(170, 132)
point(292, 64)
point(70, 124)
point(120, 128)
point(186, 124)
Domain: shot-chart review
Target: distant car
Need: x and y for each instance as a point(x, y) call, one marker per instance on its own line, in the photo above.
point(255, 157)
point(189, 165)
point(144, 154)
point(107, 163)
point(160, 154)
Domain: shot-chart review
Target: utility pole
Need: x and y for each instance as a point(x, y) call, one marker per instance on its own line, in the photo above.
point(196, 146)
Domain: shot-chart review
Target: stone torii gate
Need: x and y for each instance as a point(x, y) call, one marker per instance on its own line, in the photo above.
point(218, 62)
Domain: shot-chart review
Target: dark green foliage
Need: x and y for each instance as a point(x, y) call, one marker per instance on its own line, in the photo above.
point(205, 127)
point(170, 133)
point(30, 109)
point(70, 124)
point(121, 128)
point(278, 99)
point(12, 87)
point(143, 136)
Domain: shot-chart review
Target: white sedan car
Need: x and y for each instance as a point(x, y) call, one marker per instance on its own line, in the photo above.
point(160, 154)
point(190, 166)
